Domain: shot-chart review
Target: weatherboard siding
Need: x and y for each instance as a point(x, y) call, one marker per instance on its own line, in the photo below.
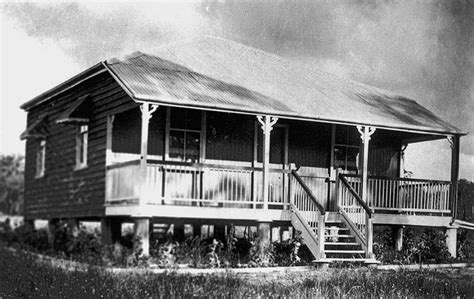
point(63, 191)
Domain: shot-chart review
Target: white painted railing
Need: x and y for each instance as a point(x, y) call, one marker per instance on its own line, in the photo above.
point(198, 184)
point(123, 182)
point(405, 195)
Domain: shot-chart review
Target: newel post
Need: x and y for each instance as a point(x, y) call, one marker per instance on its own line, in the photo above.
point(267, 123)
point(365, 135)
point(453, 195)
point(146, 110)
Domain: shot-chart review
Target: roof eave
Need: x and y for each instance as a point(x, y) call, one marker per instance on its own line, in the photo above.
point(45, 96)
point(139, 98)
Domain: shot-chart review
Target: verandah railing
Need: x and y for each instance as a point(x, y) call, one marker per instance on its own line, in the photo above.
point(356, 213)
point(415, 196)
point(308, 215)
point(203, 184)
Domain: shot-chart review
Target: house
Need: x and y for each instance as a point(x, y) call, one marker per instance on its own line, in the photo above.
point(210, 131)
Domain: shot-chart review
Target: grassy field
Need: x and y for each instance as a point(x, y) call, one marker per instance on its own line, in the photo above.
point(22, 276)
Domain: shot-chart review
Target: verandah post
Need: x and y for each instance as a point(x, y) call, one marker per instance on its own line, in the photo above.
point(365, 133)
point(267, 122)
point(146, 111)
point(141, 227)
point(453, 195)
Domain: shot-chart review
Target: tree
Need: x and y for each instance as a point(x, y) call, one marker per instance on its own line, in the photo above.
point(465, 200)
point(11, 184)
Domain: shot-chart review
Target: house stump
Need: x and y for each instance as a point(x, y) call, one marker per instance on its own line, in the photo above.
point(398, 237)
point(111, 230)
point(451, 240)
point(142, 235)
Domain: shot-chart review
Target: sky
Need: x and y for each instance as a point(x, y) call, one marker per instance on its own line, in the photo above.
point(419, 49)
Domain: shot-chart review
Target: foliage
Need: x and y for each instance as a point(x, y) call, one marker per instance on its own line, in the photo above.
point(11, 184)
point(85, 246)
point(261, 257)
point(465, 200)
point(424, 246)
point(287, 253)
point(23, 276)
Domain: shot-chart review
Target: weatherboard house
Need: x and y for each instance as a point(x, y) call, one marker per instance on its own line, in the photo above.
point(213, 132)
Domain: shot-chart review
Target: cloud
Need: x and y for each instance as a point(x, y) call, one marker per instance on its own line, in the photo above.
point(92, 32)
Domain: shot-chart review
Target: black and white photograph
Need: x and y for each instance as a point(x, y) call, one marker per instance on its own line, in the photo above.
point(237, 149)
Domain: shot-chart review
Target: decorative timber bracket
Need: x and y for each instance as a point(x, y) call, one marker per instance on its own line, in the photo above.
point(147, 111)
point(365, 133)
point(450, 140)
point(267, 123)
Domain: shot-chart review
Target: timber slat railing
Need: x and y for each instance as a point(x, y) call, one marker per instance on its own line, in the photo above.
point(415, 196)
point(309, 212)
point(202, 184)
point(356, 213)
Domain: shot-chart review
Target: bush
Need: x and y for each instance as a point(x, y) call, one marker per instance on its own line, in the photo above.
point(424, 246)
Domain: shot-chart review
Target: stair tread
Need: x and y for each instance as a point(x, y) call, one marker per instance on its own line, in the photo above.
point(345, 259)
point(341, 243)
point(342, 236)
point(343, 251)
point(336, 228)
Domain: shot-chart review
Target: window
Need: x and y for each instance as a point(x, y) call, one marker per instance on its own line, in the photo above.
point(81, 146)
point(40, 158)
point(184, 134)
point(346, 148)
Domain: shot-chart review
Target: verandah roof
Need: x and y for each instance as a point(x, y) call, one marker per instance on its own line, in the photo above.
point(214, 73)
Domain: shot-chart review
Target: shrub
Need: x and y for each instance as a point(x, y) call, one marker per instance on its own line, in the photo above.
point(428, 245)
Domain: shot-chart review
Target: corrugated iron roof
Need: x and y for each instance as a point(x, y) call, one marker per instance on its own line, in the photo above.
point(215, 73)
point(222, 74)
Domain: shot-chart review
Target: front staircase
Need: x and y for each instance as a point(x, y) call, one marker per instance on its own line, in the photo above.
point(340, 243)
point(342, 236)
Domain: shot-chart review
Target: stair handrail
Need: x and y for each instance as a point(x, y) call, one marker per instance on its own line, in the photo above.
point(363, 234)
point(367, 209)
point(314, 234)
point(321, 209)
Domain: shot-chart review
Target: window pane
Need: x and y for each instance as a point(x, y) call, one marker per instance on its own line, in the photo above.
point(341, 134)
point(193, 119)
point(352, 158)
point(192, 145)
point(176, 144)
point(340, 156)
point(353, 137)
point(177, 118)
point(83, 148)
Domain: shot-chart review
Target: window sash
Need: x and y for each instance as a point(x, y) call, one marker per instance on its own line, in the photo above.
point(81, 146)
point(41, 158)
point(345, 143)
point(184, 144)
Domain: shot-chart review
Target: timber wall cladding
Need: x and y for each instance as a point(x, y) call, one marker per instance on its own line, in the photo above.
point(63, 191)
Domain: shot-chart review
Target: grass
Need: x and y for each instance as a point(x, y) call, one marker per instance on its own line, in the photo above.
point(22, 276)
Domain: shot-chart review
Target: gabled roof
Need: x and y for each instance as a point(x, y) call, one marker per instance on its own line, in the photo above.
point(218, 74)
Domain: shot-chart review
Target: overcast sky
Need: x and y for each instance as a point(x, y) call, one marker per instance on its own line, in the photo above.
point(419, 49)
